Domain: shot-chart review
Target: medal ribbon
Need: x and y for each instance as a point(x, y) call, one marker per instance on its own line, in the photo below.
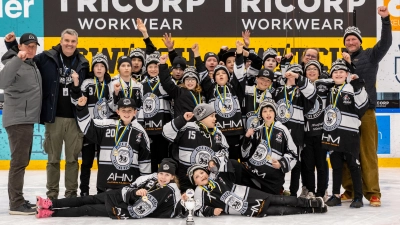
point(96, 82)
point(268, 135)
point(124, 87)
point(340, 90)
point(117, 131)
point(219, 94)
point(261, 99)
point(205, 128)
point(194, 98)
point(287, 101)
point(154, 87)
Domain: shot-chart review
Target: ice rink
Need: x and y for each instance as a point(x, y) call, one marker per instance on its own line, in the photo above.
point(388, 213)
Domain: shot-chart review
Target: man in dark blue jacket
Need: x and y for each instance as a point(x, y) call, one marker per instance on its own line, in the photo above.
point(367, 63)
point(59, 67)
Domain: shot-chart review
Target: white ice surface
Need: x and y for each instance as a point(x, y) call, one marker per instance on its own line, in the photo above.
point(388, 213)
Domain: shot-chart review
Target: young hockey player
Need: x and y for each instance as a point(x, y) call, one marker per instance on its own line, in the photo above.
point(187, 95)
point(217, 194)
point(194, 142)
point(124, 144)
point(348, 101)
point(268, 152)
point(156, 195)
point(313, 155)
point(295, 98)
point(224, 94)
point(123, 85)
point(96, 88)
point(155, 111)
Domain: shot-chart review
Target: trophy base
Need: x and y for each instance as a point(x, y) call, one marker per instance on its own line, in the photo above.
point(189, 222)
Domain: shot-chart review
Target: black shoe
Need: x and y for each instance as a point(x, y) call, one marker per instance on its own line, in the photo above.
point(28, 203)
point(356, 203)
point(23, 210)
point(317, 202)
point(321, 210)
point(333, 201)
point(83, 194)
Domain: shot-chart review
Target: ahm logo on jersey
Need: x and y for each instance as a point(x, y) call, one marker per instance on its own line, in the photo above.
point(21, 16)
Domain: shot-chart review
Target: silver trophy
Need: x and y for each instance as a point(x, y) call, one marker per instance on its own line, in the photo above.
point(190, 204)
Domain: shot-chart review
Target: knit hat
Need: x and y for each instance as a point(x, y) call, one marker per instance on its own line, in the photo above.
point(352, 31)
point(295, 68)
point(179, 62)
point(137, 53)
point(314, 63)
point(193, 168)
point(227, 55)
point(270, 53)
point(190, 72)
point(266, 73)
point(202, 111)
point(221, 67)
point(339, 64)
point(168, 165)
point(210, 54)
point(123, 59)
point(268, 102)
point(153, 58)
point(100, 58)
point(126, 103)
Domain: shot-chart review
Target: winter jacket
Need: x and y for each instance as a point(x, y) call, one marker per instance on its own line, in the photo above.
point(162, 201)
point(367, 61)
point(22, 86)
point(49, 66)
point(120, 164)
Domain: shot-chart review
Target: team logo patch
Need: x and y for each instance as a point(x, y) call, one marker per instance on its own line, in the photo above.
point(317, 110)
point(139, 137)
point(101, 110)
point(261, 155)
point(142, 208)
point(165, 167)
point(226, 109)
point(122, 156)
point(332, 118)
point(284, 114)
point(151, 105)
point(346, 99)
point(252, 120)
point(218, 138)
point(322, 88)
point(234, 202)
point(201, 155)
point(279, 137)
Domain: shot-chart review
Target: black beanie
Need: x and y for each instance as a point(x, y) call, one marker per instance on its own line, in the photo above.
point(179, 62)
point(210, 54)
point(123, 59)
point(168, 165)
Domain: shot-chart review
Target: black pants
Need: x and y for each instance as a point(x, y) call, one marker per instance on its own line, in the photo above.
point(234, 143)
point(20, 138)
point(314, 156)
point(337, 161)
point(295, 174)
point(279, 205)
point(159, 150)
point(92, 205)
point(88, 153)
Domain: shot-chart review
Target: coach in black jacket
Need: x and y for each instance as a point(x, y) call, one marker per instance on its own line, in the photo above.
point(60, 67)
point(367, 63)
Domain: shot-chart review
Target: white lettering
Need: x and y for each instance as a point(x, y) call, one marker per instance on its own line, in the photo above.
point(286, 24)
point(267, 5)
point(315, 24)
point(96, 24)
point(338, 24)
point(124, 24)
point(112, 23)
point(104, 5)
point(310, 9)
point(192, 3)
point(177, 23)
point(13, 5)
point(301, 24)
point(276, 23)
point(228, 5)
point(334, 4)
point(249, 24)
point(250, 3)
point(125, 8)
point(355, 3)
point(153, 124)
point(282, 8)
point(326, 25)
point(64, 6)
point(153, 24)
point(165, 24)
point(88, 3)
point(394, 8)
point(173, 3)
point(85, 24)
point(266, 22)
point(27, 4)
